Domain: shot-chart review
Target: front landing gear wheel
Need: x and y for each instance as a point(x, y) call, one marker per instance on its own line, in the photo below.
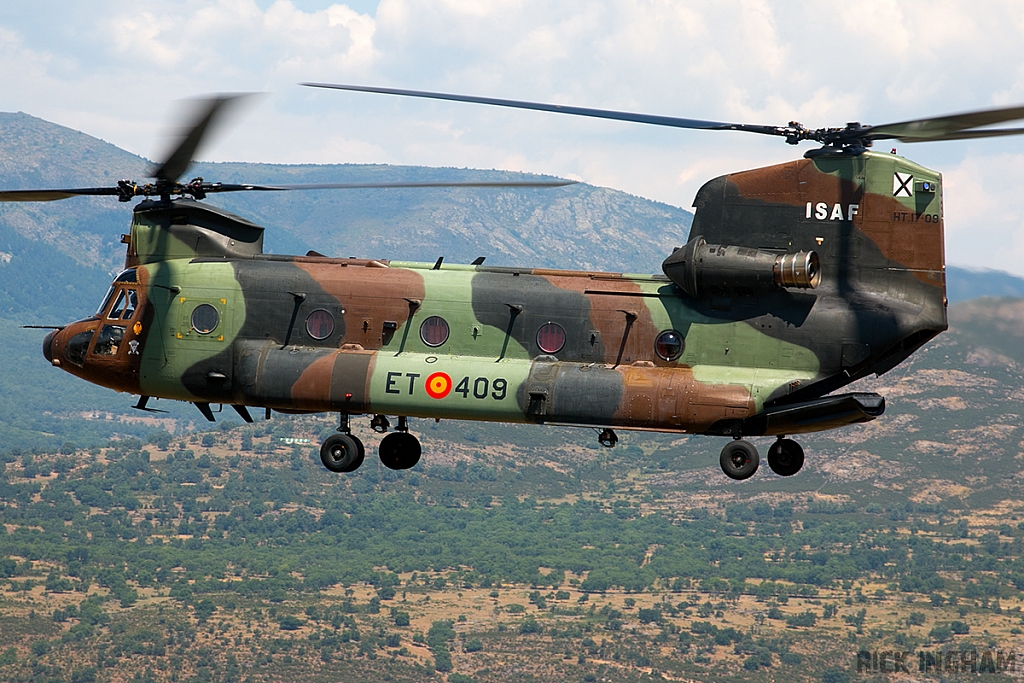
point(785, 457)
point(342, 453)
point(739, 459)
point(399, 451)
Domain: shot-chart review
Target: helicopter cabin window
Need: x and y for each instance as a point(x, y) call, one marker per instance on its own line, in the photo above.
point(74, 350)
point(434, 331)
point(131, 303)
point(551, 338)
point(669, 345)
point(108, 341)
point(127, 276)
point(125, 305)
point(205, 318)
point(320, 324)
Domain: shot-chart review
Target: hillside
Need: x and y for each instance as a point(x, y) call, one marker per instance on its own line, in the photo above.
point(530, 553)
point(511, 552)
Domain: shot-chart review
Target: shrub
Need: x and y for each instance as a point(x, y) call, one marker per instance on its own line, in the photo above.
point(290, 623)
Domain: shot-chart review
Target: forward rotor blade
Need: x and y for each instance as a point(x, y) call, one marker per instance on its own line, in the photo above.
point(209, 113)
point(946, 127)
point(398, 184)
point(670, 121)
point(52, 195)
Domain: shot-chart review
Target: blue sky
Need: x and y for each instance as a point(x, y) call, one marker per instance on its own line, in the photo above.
point(116, 71)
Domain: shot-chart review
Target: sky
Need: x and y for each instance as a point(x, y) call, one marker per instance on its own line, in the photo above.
point(119, 72)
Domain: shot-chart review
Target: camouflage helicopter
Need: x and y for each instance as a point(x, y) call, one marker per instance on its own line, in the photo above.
point(798, 279)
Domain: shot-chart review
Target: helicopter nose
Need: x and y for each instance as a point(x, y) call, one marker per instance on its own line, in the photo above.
point(48, 345)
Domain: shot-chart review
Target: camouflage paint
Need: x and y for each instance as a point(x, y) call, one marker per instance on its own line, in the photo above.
point(878, 235)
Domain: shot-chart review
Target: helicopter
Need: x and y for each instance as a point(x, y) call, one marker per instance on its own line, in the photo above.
point(797, 280)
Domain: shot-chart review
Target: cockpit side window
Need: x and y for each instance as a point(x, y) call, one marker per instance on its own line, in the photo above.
point(125, 305)
point(108, 341)
point(118, 308)
point(131, 303)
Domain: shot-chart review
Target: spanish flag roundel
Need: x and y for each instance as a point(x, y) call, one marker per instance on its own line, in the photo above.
point(438, 385)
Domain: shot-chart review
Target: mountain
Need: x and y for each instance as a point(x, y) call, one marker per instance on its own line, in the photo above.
point(963, 284)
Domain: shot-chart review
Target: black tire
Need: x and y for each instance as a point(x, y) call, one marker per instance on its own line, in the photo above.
point(785, 457)
point(342, 453)
point(399, 451)
point(739, 459)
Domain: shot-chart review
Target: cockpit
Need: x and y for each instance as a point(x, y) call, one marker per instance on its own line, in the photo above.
point(105, 346)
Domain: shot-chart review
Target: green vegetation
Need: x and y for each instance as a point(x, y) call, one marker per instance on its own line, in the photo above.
point(157, 559)
point(137, 548)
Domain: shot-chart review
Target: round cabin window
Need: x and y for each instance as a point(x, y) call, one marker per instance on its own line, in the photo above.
point(551, 338)
point(434, 331)
point(669, 345)
point(320, 324)
point(205, 318)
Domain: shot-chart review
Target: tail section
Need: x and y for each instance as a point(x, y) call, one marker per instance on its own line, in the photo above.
point(875, 222)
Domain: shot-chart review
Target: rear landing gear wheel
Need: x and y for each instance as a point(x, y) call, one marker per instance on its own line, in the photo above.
point(342, 453)
point(399, 451)
point(785, 457)
point(739, 459)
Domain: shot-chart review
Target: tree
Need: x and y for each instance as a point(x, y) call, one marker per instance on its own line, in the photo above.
point(649, 615)
point(290, 623)
point(959, 628)
point(160, 439)
point(442, 660)
point(204, 610)
point(941, 633)
point(530, 625)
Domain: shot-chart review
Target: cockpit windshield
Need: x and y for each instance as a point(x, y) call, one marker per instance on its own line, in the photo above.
point(106, 301)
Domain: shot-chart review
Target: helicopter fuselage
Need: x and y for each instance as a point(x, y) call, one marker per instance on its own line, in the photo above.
point(202, 315)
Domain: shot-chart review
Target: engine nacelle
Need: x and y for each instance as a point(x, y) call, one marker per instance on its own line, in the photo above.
point(701, 269)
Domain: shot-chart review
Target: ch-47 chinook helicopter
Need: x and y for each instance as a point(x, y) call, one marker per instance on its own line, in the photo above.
point(798, 279)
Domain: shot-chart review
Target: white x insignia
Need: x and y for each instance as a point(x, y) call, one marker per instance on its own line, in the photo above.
point(902, 184)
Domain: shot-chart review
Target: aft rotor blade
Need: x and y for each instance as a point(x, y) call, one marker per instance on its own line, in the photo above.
point(52, 195)
point(209, 113)
point(224, 187)
point(972, 134)
point(670, 121)
point(949, 127)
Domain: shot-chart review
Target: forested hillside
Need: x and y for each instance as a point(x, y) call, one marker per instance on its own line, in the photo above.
point(158, 547)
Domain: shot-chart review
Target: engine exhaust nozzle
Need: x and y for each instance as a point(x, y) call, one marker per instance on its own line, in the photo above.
point(702, 270)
